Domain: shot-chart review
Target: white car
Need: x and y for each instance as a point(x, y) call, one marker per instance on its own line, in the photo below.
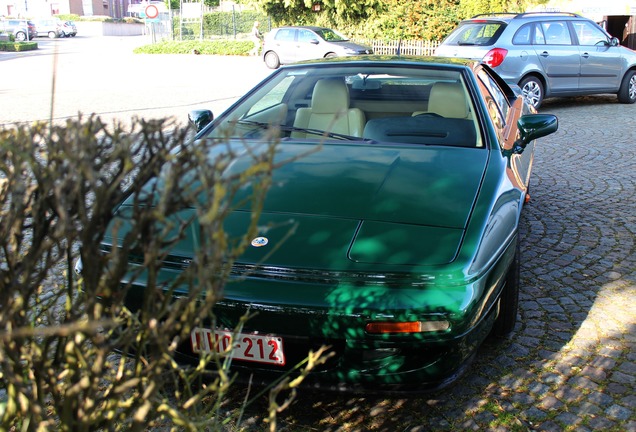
point(286, 45)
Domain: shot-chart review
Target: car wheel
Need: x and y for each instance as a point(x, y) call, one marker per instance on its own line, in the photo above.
point(271, 60)
point(20, 36)
point(627, 91)
point(52, 35)
point(331, 55)
point(532, 89)
point(509, 299)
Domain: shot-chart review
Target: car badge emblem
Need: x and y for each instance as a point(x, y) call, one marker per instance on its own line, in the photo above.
point(259, 241)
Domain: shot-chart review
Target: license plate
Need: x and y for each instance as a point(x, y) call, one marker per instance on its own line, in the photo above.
point(245, 346)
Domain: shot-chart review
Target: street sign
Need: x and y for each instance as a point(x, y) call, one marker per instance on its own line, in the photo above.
point(152, 11)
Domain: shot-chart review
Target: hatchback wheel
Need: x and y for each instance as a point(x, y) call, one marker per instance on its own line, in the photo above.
point(271, 60)
point(52, 35)
point(20, 36)
point(532, 89)
point(627, 91)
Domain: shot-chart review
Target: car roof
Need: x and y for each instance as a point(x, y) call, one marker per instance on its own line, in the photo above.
point(528, 16)
point(314, 28)
point(394, 60)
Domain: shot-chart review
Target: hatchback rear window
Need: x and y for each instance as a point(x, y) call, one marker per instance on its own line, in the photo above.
point(479, 33)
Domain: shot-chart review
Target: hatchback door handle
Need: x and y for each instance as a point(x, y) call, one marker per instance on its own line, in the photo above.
point(545, 54)
point(585, 55)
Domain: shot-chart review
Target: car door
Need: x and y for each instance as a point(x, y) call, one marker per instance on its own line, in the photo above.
point(309, 46)
point(559, 56)
point(504, 118)
point(284, 45)
point(600, 62)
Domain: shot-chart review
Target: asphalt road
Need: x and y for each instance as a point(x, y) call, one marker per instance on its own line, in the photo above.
point(570, 365)
point(101, 75)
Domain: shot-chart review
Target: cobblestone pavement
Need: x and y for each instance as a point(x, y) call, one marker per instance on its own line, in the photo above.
point(570, 365)
point(571, 362)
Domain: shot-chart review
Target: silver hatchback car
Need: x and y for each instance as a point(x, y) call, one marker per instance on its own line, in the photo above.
point(547, 54)
point(291, 44)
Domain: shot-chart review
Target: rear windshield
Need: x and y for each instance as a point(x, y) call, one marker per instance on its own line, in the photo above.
point(477, 33)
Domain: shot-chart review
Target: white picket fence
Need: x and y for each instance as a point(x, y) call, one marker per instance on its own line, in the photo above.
point(405, 47)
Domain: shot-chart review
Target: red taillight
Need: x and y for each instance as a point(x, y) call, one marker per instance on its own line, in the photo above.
point(495, 57)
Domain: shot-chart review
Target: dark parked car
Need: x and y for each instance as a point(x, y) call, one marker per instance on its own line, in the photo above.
point(286, 45)
point(547, 54)
point(21, 29)
point(405, 255)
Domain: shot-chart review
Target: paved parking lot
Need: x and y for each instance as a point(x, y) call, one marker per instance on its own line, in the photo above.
point(570, 364)
point(102, 75)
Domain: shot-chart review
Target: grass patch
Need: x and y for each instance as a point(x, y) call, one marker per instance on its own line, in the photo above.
point(217, 47)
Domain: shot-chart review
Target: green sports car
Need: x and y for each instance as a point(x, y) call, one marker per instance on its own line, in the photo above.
point(404, 182)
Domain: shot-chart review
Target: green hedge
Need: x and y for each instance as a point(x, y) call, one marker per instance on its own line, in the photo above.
point(18, 46)
point(218, 47)
point(97, 18)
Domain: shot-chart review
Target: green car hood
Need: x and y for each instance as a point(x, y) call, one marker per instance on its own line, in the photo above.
point(353, 207)
point(365, 204)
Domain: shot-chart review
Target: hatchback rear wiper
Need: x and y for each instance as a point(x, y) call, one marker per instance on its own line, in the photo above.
point(300, 129)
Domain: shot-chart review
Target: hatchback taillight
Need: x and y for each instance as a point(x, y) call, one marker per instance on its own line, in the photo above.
point(495, 57)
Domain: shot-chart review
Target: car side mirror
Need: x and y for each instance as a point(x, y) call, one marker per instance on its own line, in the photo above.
point(314, 41)
point(531, 127)
point(200, 118)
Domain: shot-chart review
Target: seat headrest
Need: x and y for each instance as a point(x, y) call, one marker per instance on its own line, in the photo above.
point(448, 100)
point(330, 96)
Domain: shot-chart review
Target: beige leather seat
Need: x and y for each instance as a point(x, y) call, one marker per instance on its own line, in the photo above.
point(447, 100)
point(330, 111)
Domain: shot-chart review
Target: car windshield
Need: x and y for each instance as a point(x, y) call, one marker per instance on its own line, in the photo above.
point(331, 35)
point(359, 103)
point(480, 33)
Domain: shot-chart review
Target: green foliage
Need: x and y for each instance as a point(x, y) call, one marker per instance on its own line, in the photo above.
point(59, 185)
point(385, 19)
point(68, 17)
point(371, 19)
point(470, 8)
point(18, 46)
point(218, 47)
point(414, 19)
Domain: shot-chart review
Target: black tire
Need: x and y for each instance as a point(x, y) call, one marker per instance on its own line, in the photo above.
point(627, 92)
point(20, 36)
point(509, 299)
point(271, 60)
point(532, 89)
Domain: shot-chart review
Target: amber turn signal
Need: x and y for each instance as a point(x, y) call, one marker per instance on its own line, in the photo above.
point(406, 327)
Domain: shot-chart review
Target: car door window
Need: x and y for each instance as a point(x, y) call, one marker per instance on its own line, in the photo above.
point(588, 34)
point(273, 98)
point(523, 35)
point(556, 33)
point(539, 37)
point(496, 100)
point(285, 35)
point(306, 36)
